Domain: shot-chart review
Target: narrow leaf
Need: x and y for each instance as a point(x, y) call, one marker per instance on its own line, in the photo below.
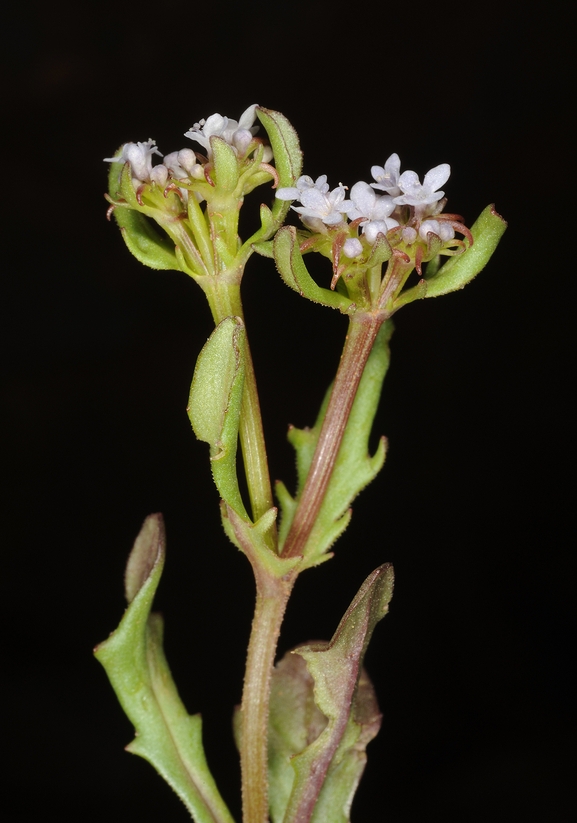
point(288, 156)
point(133, 657)
point(144, 242)
point(215, 402)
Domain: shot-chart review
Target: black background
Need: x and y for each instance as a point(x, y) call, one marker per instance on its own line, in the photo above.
point(474, 664)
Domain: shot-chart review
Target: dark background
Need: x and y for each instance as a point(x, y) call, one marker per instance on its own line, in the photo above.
point(474, 665)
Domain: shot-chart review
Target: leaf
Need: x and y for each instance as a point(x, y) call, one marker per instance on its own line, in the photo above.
point(354, 467)
point(295, 722)
point(327, 770)
point(143, 241)
point(251, 539)
point(133, 657)
point(225, 164)
point(462, 268)
point(215, 402)
point(288, 156)
point(348, 764)
point(290, 264)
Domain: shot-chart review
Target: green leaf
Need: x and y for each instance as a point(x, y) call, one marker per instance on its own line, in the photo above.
point(295, 722)
point(354, 467)
point(226, 167)
point(252, 540)
point(264, 248)
point(215, 402)
point(133, 657)
point(143, 240)
point(290, 264)
point(462, 268)
point(288, 156)
point(324, 745)
point(346, 769)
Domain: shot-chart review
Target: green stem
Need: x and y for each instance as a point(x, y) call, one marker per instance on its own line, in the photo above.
point(223, 294)
point(363, 329)
point(273, 593)
point(271, 600)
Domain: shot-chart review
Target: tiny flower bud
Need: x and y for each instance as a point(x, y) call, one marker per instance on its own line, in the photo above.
point(352, 247)
point(159, 174)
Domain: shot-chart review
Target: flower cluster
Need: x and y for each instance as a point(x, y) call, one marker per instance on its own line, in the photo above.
point(239, 134)
point(186, 165)
point(408, 213)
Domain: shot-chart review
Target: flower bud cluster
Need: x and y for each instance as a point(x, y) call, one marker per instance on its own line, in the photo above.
point(408, 214)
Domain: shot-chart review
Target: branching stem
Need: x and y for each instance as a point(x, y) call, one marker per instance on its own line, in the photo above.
point(363, 329)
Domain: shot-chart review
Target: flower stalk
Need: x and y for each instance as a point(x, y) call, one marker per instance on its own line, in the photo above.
point(362, 332)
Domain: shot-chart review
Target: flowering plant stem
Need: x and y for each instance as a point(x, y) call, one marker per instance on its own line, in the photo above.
point(223, 294)
point(304, 724)
point(271, 601)
point(362, 332)
point(273, 593)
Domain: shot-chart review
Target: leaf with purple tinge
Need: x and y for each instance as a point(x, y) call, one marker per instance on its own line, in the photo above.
point(322, 717)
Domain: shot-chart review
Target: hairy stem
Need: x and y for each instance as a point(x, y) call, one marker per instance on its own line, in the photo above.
point(223, 294)
point(271, 601)
point(363, 329)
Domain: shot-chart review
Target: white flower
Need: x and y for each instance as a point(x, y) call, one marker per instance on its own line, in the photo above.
point(441, 228)
point(388, 177)
point(417, 194)
point(409, 235)
point(352, 247)
point(139, 155)
point(319, 205)
point(374, 209)
point(375, 227)
point(303, 183)
point(237, 134)
point(159, 175)
point(328, 207)
point(183, 164)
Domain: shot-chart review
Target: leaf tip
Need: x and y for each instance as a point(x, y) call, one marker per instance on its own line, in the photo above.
point(147, 552)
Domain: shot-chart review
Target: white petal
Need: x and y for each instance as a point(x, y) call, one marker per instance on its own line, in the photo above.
point(248, 117)
point(437, 177)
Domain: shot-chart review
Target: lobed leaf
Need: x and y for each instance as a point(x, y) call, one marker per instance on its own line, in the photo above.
point(354, 467)
point(324, 744)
